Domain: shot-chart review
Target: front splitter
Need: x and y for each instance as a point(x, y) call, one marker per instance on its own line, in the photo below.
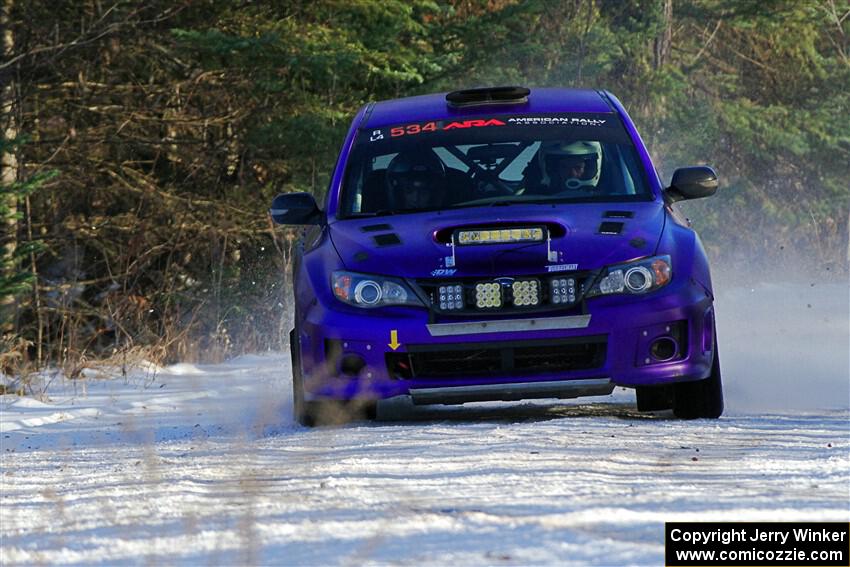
point(562, 389)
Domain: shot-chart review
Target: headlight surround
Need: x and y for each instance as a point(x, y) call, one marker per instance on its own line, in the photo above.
point(641, 276)
point(366, 290)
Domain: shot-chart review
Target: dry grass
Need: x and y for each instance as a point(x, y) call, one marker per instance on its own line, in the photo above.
point(21, 376)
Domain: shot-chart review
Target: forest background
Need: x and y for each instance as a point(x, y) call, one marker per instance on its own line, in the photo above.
point(143, 141)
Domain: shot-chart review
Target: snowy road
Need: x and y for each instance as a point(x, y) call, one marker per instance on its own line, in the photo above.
point(202, 465)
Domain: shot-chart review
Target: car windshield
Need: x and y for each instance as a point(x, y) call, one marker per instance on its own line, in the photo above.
point(488, 161)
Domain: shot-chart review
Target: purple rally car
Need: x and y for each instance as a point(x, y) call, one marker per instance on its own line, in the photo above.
point(500, 244)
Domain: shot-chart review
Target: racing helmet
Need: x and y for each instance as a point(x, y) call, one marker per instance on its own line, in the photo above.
point(415, 180)
point(570, 165)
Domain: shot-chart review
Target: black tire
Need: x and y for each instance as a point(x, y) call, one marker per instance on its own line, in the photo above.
point(703, 398)
point(654, 398)
point(302, 411)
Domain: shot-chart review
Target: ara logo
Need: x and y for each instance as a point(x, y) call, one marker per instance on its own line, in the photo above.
point(473, 123)
point(443, 272)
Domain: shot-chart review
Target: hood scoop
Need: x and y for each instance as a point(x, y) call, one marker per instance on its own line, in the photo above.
point(521, 234)
point(449, 235)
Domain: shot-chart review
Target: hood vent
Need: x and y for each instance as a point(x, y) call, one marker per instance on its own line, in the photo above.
point(387, 239)
point(376, 227)
point(618, 215)
point(611, 228)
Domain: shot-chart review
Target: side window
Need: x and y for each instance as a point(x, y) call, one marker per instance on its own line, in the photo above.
point(354, 196)
point(616, 178)
point(372, 184)
point(627, 167)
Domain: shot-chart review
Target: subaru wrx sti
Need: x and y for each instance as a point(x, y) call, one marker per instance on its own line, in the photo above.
point(500, 244)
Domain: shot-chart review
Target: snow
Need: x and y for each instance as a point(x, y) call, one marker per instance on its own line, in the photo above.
point(202, 464)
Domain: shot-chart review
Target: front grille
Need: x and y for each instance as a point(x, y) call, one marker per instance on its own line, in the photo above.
point(498, 358)
point(459, 296)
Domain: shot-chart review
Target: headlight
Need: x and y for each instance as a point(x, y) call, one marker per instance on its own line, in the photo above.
point(488, 294)
point(641, 276)
point(451, 296)
point(363, 290)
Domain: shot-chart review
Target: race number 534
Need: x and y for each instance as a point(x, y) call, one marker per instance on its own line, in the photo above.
point(412, 129)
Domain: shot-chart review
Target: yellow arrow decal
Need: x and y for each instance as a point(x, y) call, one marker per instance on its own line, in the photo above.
point(394, 344)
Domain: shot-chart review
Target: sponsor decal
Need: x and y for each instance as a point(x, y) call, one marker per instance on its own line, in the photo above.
point(443, 272)
point(473, 123)
point(413, 129)
point(447, 125)
point(562, 268)
point(555, 121)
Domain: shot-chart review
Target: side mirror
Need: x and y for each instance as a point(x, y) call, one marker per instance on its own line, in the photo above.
point(692, 183)
point(295, 208)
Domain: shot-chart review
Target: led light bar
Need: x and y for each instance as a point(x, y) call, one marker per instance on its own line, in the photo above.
point(488, 295)
point(500, 235)
point(451, 297)
point(563, 290)
point(526, 292)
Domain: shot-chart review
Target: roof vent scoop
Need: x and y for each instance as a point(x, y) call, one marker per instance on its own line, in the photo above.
point(488, 95)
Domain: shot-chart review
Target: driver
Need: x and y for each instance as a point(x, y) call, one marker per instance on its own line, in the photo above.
point(416, 179)
point(569, 166)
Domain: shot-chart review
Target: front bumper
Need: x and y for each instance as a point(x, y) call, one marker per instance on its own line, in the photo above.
point(507, 358)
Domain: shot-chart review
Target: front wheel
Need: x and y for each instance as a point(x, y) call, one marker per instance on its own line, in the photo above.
point(328, 412)
point(300, 409)
point(703, 398)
